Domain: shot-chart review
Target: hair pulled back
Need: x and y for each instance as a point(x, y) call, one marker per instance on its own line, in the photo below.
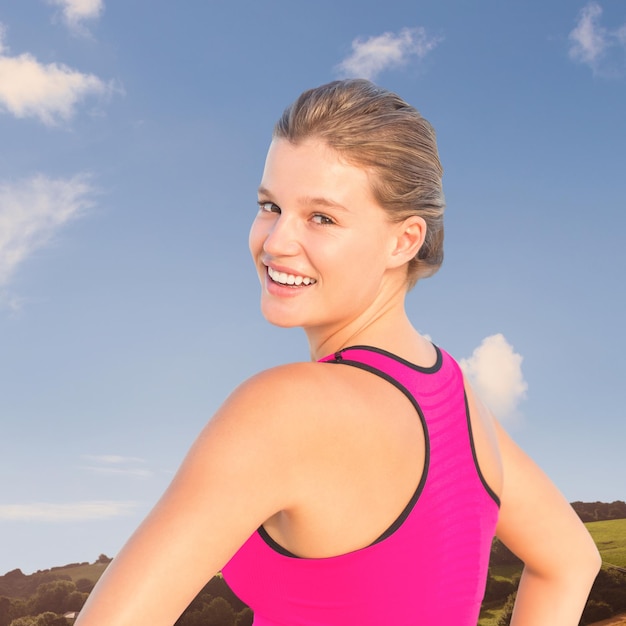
point(374, 128)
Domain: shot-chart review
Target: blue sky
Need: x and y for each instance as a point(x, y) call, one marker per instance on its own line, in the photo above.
point(132, 139)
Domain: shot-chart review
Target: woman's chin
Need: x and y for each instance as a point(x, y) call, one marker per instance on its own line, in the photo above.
point(281, 319)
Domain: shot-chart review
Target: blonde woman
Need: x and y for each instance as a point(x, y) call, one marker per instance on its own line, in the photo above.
point(364, 486)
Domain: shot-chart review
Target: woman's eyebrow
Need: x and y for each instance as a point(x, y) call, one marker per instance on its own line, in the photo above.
point(324, 202)
point(308, 200)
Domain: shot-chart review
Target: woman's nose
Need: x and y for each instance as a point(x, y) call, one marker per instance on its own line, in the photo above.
point(281, 238)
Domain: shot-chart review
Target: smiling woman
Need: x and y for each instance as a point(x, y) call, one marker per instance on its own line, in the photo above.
point(317, 214)
point(365, 486)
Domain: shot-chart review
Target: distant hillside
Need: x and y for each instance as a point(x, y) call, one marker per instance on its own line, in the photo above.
point(16, 584)
point(600, 511)
point(65, 588)
point(607, 598)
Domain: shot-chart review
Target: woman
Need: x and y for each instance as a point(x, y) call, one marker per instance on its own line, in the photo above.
point(363, 487)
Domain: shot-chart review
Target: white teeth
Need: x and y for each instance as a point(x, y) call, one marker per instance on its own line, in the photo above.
point(289, 279)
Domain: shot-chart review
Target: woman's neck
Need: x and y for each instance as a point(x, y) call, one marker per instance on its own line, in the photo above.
point(388, 328)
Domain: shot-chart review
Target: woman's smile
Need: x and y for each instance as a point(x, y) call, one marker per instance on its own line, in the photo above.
point(284, 278)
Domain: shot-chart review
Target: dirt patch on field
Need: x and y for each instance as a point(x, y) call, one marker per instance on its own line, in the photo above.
point(618, 620)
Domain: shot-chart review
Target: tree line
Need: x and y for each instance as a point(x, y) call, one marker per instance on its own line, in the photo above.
point(600, 511)
point(215, 605)
point(47, 605)
point(43, 598)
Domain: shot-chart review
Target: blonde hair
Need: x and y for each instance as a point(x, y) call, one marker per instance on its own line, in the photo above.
point(374, 128)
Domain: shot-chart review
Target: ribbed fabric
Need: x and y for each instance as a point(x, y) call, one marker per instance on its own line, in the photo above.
point(430, 567)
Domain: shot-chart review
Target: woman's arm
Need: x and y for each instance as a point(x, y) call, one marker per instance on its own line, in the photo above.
point(536, 523)
point(236, 475)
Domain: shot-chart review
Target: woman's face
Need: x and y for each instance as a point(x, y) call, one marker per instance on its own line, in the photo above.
point(320, 242)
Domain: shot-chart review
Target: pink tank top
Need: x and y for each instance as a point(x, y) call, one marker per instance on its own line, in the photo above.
point(429, 567)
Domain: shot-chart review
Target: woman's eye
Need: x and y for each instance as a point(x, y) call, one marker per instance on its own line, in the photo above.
point(269, 207)
point(324, 220)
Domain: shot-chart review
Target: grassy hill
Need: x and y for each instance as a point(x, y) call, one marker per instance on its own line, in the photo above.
point(17, 585)
point(90, 571)
point(610, 538)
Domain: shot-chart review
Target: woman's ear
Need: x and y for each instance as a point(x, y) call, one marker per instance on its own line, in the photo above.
point(409, 239)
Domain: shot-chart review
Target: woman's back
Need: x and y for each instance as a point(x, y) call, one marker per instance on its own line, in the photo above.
point(429, 560)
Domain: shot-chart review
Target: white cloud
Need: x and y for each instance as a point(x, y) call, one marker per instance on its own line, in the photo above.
point(371, 56)
point(115, 465)
point(112, 459)
point(495, 372)
point(136, 472)
point(75, 12)
point(31, 213)
point(71, 512)
point(47, 92)
point(589, 39)
point(591, 42)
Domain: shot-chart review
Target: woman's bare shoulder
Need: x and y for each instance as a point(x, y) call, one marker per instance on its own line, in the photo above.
point(241, 470)
point(288, 397)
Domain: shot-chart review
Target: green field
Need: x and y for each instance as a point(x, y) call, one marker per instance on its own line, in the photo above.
point(609, 536)
point(91, 571)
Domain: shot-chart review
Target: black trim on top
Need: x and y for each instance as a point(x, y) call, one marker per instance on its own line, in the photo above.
point(420, 487)
point(397, 523)
point(425, 370)
point(488, 489)
point(272, 543)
